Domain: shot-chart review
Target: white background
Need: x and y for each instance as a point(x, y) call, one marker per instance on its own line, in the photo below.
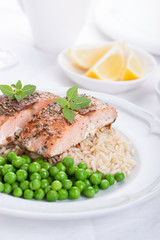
point(137, 222)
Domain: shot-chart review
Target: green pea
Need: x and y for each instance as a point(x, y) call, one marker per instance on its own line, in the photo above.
point(17, 162)
point(11, 156)
point(27, 158)
point(34, 176)
point(96, 188)
point(56, 185)
point(74, 193)
point(52, 196)
point(95, 179)
point(24, 167)
point(89, 172)
point(104, 184)
point(82, 165)
point(110, 178)
point(44, 173)
point(15, 185)
point(1, 187)
point(44, 183)
point(28, 194)
point(100, 174)
point(60, 176)
point(21, 175)
point(35, 184)
point(68, 161)
point(87, 182)
point(46, 165)
point(73, 180)
point(34, 167)
point(81, 174)
point(39, 160)
point(53, 171)
point(10, 177)
point(72, 170)
point(17, 192)
point(7, 168)
point(47, 189)
point(50, 179)
point(7, 188)
point(1, 173)
point(2, 161)
point(119, 176)
point(24, 161)
point(39, 194)
point(89, 192)
point(24, 185)
point(80, 184)
point(61, 166)
point(62, 194)
point(67, 184)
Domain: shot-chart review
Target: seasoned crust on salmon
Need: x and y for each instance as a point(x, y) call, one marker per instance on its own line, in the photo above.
point(14, 116)
point(49, 134)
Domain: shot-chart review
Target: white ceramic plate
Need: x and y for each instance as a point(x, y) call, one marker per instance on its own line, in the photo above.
point(143, 130)
point(78, 76)
point(112, 23)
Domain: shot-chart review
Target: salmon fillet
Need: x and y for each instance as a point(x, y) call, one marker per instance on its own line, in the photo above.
point(49, 134)
point(14, 116)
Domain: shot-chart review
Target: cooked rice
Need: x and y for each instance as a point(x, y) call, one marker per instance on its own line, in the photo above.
point(108, 152)
point(11, 147)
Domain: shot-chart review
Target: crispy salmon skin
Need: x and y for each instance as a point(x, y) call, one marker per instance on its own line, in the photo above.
point(49, 134)
point(14, 116)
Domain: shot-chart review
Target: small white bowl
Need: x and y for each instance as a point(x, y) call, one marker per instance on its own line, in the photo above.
point(157, 88)
point(78, 76)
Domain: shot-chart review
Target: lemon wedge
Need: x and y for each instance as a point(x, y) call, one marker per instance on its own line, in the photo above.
point(110, 66)
point(133, 69)
point(85, 58)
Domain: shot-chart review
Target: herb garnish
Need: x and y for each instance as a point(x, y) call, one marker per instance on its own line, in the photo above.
point(72, 102)
point(16, 91)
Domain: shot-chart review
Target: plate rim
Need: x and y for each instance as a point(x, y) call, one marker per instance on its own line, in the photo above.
point(74, 215)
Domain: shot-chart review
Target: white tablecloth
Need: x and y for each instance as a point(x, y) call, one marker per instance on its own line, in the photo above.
point(135, 223)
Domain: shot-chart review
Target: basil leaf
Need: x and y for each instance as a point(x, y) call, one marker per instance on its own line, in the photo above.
point(72, 93)
point(18, 97)
point(17, 91)
point(20, 92)
point(74, 106)
point(68, 114)
point(61, 101)
point(18, 85)
point(80, 102)
point(7, 91)
point(28, 89)
point(23, 95)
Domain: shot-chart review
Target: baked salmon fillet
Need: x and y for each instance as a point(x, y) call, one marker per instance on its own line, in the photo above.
point(49, 134)
point(14, 116)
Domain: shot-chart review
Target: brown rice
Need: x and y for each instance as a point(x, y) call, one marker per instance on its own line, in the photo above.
point(108, 152)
